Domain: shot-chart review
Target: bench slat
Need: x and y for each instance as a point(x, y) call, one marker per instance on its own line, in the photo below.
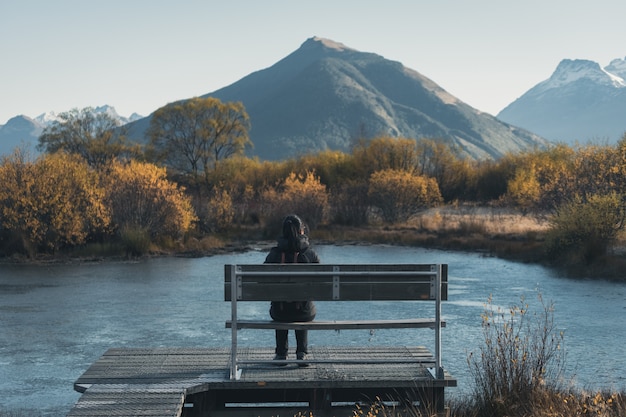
point(324, 291)
point(320, 282)
point(336, 324)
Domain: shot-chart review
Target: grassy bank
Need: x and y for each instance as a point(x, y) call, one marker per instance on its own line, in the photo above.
point(493, 231)
point(498, 232)
point(503, 233)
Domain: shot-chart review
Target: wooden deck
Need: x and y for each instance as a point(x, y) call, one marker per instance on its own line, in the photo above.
point(195, 382)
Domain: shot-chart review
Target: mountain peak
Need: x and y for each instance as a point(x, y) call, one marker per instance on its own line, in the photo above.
point(19, 131)
point(617, 67)
point(317, 41)
point(21, 122)
point(47, 118)
point(318, 47)
point(110, 110)
point(325, 94)
point(569, 71)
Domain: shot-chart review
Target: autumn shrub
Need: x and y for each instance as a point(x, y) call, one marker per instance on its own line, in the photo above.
point(350, 203)
point(458, 180)
point(331, 167)
point(51, 203)
point(399, 194)
point(384, 153)
point(490, 180)
point(521, 358)
point(142, 199)
point(582, 229)
point(300, 194)
point(220, 210)
point(243, 179)
point(524, 189)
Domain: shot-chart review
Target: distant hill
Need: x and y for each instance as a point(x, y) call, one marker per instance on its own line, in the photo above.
point(23, 132)
point(325, 95)
point(19, 132)
point(580, 102)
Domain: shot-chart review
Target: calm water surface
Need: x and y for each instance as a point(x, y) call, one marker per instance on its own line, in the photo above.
point(57, 320)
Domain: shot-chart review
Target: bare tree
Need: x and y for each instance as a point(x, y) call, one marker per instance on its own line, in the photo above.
point(96, 137)
point(194, 135)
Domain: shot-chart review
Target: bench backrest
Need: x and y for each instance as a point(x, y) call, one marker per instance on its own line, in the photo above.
point(327, 282)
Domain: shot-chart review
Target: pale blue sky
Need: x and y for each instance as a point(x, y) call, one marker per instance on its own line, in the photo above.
point(138, 55)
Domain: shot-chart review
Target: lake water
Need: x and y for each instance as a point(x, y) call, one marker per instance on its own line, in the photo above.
point(56, 320)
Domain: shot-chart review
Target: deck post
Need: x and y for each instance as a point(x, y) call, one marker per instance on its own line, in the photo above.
point(234, 372)
point(438, 366)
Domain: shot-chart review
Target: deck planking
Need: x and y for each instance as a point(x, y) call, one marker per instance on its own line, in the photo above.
point(192, 381)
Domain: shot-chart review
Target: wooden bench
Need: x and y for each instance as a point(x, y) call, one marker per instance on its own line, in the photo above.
point(327, 282)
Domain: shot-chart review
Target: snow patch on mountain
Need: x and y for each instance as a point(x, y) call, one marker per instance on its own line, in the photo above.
point(617, 67)
point(570, 71)
point(579, 103)
point(23, 131)
point(45, 119)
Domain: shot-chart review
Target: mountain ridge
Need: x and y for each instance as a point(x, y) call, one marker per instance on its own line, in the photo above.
point(324, 94)
point(23, 131)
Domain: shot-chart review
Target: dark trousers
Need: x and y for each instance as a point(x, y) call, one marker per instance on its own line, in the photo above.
point(282, 341)
point(292, 311)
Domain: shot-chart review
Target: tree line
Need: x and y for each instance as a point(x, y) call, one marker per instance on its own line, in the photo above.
point(191, 178)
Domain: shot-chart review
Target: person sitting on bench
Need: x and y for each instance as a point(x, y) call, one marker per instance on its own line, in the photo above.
point(292, 247)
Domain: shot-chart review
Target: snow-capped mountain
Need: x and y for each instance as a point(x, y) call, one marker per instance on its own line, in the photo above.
point(23, 132)
point(46, 118)
point(579, 70)
point(581, 102)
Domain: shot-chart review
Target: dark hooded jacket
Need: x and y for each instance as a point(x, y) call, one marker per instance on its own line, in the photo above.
point(292, 251)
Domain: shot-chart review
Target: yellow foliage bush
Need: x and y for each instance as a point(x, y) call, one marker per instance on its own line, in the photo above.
point(220, 210)
point(524, 189)
point(52, 202)
point(386, 153)
point(141, 198)
point(399, 194)
point(304, 195)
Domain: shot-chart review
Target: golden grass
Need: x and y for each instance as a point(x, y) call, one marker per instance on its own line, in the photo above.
point(482, 220)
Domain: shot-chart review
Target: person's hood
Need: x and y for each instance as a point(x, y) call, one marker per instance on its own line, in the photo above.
point(301, 244)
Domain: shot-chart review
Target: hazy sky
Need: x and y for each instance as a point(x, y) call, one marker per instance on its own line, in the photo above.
point(138, 55)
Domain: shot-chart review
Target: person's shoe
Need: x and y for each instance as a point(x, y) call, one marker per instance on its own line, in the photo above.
point(280, 358)
point(301, 360)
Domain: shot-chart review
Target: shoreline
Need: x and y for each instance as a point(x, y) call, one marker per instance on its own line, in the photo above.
point(491, 231)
